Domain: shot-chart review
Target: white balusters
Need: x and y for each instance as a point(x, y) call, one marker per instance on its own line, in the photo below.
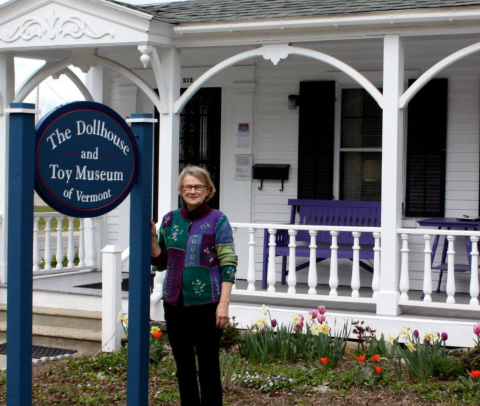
point(71, 244)
point(59, 254)
point(92, 254)
point(356, 264)
point(234, 231)
point(451, 269)
point(251, 260)
point(156, 305)
point(333, 281)
point(474, 288)
point(48, 248)
point(81, 244)
point(271, 270)
point(312, 269)
point(36, 256)
point(376, 265)
point(427, 276)
point(404, 270)
point(292, 264)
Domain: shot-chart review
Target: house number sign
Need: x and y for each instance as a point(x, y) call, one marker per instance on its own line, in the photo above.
point(86, 159)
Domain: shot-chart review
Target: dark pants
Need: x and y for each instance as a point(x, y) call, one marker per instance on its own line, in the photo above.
point(192, 330)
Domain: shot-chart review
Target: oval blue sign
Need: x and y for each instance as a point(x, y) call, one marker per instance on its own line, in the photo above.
point(86, 159)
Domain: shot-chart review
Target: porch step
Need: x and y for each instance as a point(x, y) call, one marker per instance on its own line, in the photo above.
point(62, 328)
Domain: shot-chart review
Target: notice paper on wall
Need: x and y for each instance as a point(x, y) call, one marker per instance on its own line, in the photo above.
point(243, 133)
point(243, 167)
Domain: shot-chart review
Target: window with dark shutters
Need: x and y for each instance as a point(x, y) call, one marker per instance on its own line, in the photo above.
point(316, 140)
point(426, 150)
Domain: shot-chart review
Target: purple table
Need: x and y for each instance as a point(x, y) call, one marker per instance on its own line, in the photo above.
point(449, 223)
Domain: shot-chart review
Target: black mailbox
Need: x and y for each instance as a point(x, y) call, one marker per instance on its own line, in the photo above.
point(270, 172)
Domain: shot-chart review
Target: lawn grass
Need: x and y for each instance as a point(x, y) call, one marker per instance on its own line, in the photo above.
point(53, 224)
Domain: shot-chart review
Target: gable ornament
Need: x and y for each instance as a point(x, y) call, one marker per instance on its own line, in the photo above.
point(52, 26)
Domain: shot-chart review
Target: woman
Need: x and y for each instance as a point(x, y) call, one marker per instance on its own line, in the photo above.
point(195, 246)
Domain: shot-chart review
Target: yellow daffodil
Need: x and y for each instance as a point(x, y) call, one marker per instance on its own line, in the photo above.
point(154, 330)
point(391, 338)
point(434, 336)
point(410, 346)
point(404, 331)
point(296, 320)
point(261, 322)
point(254, 331)
point(428, 336)
point(309, 320)
point(265, 310)
point(316, 330)
point(324, 328)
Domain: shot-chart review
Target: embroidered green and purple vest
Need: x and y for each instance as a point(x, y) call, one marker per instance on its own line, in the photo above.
point(198, 254)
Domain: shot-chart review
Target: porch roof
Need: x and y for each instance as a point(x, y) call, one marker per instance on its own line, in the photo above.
point(204, 11)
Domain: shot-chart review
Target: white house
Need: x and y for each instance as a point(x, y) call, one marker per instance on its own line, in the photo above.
point(374, 100)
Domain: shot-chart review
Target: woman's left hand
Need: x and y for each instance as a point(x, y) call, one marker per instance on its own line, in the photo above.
point(222, 315)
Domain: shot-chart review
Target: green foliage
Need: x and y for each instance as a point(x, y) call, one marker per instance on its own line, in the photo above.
point(470, 360)
point(470, 384)
point(230, 335)
point(423, 360)
point(230, 366)
point(264, 343)
point(448, 367)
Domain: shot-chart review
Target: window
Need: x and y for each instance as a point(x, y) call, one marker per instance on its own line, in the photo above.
point(360, 147)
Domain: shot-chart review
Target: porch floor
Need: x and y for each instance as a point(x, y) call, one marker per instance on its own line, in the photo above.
point(71, 282)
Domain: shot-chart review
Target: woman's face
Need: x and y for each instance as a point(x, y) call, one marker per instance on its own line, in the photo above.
point(194, 191)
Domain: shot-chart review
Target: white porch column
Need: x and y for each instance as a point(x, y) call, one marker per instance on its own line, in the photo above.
point(95, 83)
point(169, 134)
point(7, 93)
point(392, 175)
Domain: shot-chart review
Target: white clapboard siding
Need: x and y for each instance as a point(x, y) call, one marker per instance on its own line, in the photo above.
point(276, 134)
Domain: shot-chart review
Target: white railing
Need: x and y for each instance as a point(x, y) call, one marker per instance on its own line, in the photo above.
point(450, 267)
point(312, 270)
point(48, 243)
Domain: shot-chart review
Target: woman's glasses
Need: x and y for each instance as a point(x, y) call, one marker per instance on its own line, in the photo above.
point(188, 188)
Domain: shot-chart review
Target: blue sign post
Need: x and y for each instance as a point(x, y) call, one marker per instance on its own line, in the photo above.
point(19, 271)
point(139, 279)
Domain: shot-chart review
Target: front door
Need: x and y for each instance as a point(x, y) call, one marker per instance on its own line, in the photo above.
point(200, 122)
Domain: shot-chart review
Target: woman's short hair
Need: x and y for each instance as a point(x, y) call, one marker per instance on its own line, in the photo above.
point(199, 173)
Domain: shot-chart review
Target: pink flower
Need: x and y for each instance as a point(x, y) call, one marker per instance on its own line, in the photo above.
point(426, 341)
point(302, 317)
point(476, 329)
point(321, 318)
point(300, 325)
point(295, 329)
point(416, 333)
point(322, 309)
point(314, 314)
point(444, 336)
point(274, 323)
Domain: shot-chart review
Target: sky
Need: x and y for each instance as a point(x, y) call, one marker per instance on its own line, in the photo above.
point(55, 92)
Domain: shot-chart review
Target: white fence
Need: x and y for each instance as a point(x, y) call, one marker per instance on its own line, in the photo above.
point(451, 266)
point(48, 243)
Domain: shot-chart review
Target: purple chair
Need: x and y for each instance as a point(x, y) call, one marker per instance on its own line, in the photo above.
point(326, 213)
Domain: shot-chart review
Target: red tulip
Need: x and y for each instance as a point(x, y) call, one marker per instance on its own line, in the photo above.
point(361, 358)
point(324, 360)
point(378, 370)
point(375, 358)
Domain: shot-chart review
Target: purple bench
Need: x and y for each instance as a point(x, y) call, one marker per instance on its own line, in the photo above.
point(326, 213)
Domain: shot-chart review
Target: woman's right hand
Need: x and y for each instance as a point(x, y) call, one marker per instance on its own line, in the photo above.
point(153, 228)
